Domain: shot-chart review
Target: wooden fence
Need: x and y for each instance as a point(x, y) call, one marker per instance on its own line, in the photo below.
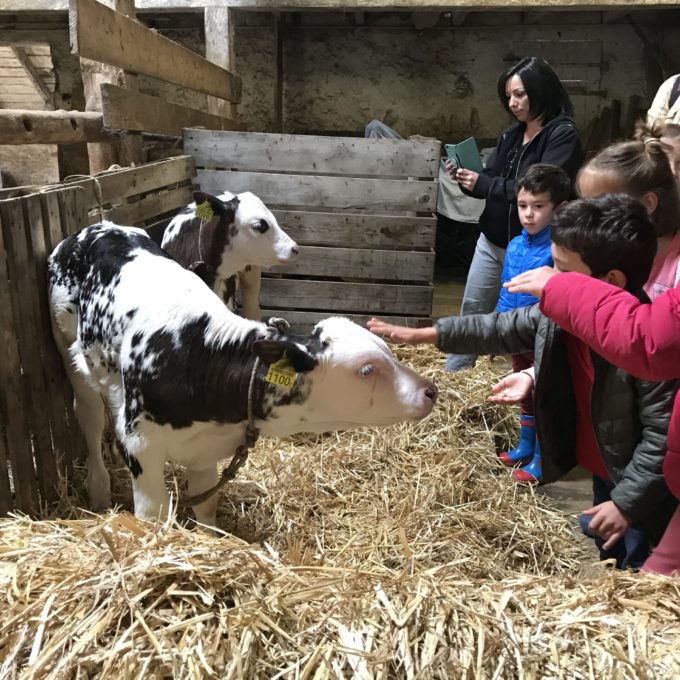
point(361, 210)
point(39, 437)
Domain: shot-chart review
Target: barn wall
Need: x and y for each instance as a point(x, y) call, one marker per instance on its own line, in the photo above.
point(438, 82)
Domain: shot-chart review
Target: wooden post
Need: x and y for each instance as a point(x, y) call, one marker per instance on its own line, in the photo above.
point(129, 151)
point(220, 50)
point(278, 78)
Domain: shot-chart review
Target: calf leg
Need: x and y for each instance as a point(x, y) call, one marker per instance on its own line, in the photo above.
point(198, 482)
point(250, 282)
point(150, 494)
point(89, 411)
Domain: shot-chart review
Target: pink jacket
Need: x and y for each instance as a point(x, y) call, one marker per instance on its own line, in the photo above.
point(643, 339)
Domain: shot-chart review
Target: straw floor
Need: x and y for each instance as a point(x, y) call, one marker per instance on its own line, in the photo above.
point(400, 553)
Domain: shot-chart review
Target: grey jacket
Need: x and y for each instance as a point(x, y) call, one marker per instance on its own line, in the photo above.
point(630, 417)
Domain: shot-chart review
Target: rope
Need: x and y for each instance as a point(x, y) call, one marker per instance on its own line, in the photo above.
point(79, 178)
point(275, 325)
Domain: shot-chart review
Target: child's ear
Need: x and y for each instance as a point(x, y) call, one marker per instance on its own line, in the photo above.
point(616, 278)
point(650, 200)
point(560, 206)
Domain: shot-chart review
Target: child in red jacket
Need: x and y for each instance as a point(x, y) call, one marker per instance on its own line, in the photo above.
point(643, 339)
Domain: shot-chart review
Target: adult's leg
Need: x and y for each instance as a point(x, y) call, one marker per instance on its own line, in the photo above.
point(481, 292)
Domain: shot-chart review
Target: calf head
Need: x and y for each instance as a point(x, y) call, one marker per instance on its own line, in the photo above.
point(351, 377)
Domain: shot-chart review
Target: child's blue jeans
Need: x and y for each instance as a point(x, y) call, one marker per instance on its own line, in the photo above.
point(633, 549)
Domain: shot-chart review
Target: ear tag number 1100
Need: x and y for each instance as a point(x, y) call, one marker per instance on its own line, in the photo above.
point(282, 374)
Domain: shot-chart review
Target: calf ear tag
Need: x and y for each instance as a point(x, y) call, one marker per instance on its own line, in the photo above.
point(282, 374)
point(204, 211)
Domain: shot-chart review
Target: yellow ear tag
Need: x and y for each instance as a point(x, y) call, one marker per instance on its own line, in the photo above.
point(282, 374)
point(204, 211)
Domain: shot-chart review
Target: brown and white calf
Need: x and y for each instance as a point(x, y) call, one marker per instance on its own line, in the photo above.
point(146, 338)
point(237, 237)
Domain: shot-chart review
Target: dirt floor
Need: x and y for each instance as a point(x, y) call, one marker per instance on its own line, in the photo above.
point(573, 493)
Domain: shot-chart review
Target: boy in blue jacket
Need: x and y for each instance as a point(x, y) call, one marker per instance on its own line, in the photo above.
point(541, 190)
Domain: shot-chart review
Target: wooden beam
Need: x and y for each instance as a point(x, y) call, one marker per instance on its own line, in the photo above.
point(278, 73)
point(32, 73)
point(51, 127)
point(102, 34)
point(144, 113)
point(219, 26)
point(363, 5)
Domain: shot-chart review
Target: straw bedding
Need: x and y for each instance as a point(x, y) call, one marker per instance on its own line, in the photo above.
point(405, 552)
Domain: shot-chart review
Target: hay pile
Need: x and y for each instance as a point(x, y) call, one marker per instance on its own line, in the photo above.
point(401, 553)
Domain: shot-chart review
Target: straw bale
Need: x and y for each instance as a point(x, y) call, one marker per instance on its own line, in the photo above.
point(400, 553)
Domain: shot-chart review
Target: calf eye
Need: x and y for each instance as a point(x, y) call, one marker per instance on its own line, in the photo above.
point(368, 369)
point(261, 226)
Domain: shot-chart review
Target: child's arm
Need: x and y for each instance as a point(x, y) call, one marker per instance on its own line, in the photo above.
point(411, 336)
point(642, 487)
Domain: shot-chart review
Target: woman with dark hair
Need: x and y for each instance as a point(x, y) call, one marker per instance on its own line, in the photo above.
point(544, 132)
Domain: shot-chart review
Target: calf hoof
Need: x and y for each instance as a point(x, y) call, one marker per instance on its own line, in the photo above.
point(99, 493)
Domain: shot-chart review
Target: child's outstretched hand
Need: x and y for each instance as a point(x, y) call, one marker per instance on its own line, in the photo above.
point(512, 389)
point(608, 522)
point(411, 336)
point(532, 282)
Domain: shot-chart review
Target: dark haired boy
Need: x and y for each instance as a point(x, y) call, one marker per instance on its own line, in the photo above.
point(541, 190)
point(588, 411)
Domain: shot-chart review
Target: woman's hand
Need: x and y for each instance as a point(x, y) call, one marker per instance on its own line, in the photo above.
point(532, 282)
point(411, 336)
point(466, 178)
point(451, 168)
point(512, 389)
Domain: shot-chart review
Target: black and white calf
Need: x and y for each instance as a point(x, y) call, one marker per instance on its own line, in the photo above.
point(173, 366)
point(227, 239)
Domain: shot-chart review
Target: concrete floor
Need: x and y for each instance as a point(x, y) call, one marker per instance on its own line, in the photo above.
point(573, 493)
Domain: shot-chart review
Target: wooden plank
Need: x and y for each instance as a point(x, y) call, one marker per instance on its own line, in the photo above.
point(60, 388)
point(147, 208)
point(338, 296)
point(47, 417)
point(121, 184)
point(313, 154)
point(349, 193)
point(6, 500)
point(305, 321)
point(72, 216)
point(102, 34)
point(13, 396)
point(386, 265)
point(135, 111)
point(362, 231)
point(21, 126)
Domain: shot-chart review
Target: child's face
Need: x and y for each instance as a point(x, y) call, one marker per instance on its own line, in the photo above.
point(535, 210)
point(593, 183)
point(568, 261)
point(671, 145)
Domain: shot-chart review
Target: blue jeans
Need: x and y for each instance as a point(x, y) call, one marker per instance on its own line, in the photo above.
point(633, 549)
point(481, 292)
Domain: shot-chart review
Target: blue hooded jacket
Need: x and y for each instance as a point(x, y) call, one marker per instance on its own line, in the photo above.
point(524, 252)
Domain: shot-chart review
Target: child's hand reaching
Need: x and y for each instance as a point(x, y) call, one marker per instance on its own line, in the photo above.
point(512, 389)
point(411, 336)
point(532, 282)
point(608, 522)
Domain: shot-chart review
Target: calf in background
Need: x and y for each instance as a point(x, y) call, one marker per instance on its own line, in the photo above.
point(226, 237)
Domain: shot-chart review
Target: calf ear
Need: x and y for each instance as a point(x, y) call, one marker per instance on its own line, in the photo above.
point(270, 351)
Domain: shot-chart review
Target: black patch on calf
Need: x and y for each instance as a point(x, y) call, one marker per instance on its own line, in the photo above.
point(189, 381)
point(204, 242)
point(131, 461)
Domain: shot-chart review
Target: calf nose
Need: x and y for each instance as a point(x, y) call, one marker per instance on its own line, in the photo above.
point(295, 250)
point(431, 392)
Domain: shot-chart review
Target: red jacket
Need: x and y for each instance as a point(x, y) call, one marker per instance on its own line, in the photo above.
point(643, 339)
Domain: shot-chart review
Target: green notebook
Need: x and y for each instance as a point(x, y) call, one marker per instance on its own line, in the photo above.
point(466, 154)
